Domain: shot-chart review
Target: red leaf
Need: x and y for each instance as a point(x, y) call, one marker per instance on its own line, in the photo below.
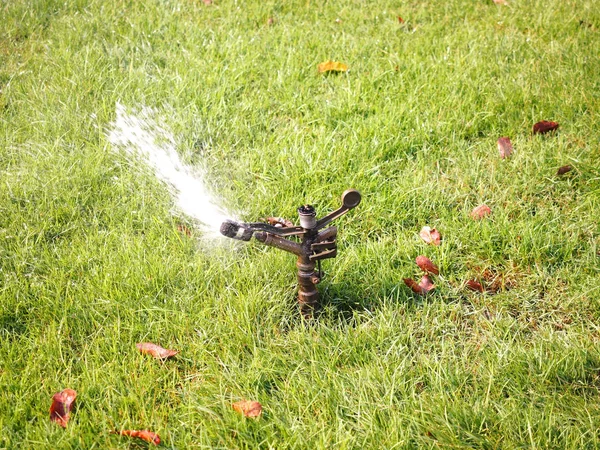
point(564, 169)
point(146, 435)
point(422, 288)
point(475, 285)
point(155, 350)
point(426, 284)
point(400, 19)
point(544, 127)
point(430, 235)
point(62, 403)
point(480, 212)
point(426, 265)
point(248, 408)
point(505, 147)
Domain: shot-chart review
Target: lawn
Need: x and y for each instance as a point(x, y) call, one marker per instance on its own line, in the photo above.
point(93, 260)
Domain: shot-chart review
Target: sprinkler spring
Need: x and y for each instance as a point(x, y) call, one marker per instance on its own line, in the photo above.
point(311, 245)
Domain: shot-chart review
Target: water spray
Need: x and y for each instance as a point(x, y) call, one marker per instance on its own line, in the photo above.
point(309, 244)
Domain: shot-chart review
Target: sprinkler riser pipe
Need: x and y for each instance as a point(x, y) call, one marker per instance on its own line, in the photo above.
point(308, 295)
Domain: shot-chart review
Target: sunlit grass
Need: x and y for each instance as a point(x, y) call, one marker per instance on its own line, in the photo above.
point(91, 261)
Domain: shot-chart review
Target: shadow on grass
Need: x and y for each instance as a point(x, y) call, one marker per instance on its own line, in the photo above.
point(12, 325)
point(345, 300)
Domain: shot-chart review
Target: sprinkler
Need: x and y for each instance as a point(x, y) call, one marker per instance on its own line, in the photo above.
point(310, 245)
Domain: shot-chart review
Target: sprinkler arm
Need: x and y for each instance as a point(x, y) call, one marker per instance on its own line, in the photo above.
point(350, 199)
point(244, 231)
point(323, 247)
point(278, 242)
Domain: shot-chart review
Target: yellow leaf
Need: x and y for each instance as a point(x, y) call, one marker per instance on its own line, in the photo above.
point(332, 66)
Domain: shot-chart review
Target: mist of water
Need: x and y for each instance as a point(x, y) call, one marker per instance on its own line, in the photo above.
point(143, 139)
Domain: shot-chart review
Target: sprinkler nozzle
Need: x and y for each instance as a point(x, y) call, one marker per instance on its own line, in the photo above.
point(307, 217)
point(235, 230)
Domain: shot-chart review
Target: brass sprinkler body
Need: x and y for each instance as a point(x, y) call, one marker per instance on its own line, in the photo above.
point(312, 248)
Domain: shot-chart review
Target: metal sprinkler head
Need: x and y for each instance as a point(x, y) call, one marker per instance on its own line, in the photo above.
point(310, 245)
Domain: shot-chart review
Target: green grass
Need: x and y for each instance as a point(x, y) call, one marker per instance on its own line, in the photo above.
point(91, 261)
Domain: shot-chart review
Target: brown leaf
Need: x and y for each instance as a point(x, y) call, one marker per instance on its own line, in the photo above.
point(248, 408)
point(146, 435)
point(62, 403)
point(332, 66)
point(481, 211)
point(497, 281)
point(505, 147)
point(184, 230)
point(423, 287)
point(279, 222)
point(426, 265)
point(430, 235)
point(564, 169)
point(475, 285)
point(413, 285)
point(270, 21)
point(155, 350)
point(400, 19)
point(544, 127)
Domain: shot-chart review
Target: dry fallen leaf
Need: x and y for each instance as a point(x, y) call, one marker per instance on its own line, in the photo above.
point(146, 435)
point(332, 66)
point(544, 127)
point(497, 281)
point(62, 403)
point(184, 230)
point(423, 287)
point(155, 350)
point(564, 169)
point(475, 285)
point(431, 235)
point(481, 211)
point(248, 408)
point(270, 21)
point(427, 265)
point(426, 284)
point(400, 19)
point(505, 147)
point(279, 222)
